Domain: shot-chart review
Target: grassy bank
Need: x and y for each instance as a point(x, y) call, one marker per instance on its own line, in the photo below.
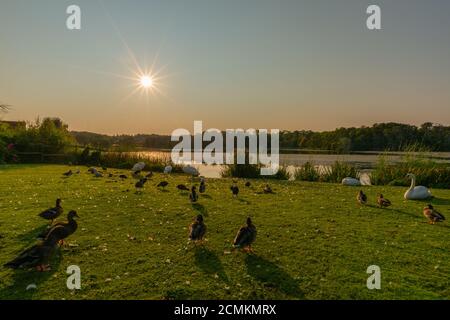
point(314, 241)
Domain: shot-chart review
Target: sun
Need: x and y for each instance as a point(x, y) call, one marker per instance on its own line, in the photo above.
point(146, 82)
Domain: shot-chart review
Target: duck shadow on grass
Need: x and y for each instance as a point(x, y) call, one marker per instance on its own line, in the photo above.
point(272, 276)
point(243, 200)
point(210, 263)
point(31, 236)
point(200, 208)
point(23, 277)
point(437, 201)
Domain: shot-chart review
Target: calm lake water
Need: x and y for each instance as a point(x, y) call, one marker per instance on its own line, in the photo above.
point(363, 160)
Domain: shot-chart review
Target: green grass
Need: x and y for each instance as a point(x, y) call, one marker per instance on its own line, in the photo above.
point(314, 241)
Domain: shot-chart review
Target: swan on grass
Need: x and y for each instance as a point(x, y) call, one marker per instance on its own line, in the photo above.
point(416, 192)
point(351, 182)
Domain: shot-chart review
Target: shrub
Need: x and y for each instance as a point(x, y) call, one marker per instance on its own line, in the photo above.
point(307, 172)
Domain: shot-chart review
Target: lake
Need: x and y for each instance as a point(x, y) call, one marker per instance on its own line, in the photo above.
point(363, 160)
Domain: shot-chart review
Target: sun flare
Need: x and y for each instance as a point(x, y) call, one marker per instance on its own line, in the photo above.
point(146, 82)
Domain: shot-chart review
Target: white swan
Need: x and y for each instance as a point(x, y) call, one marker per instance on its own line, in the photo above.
point(138, 166)
point(351, 182)
point(190, 170)
point(416, 192)
point(168, 169)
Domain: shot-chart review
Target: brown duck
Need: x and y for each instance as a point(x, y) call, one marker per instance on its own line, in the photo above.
point(361, 198)
point(52, 213)
point(432, 214)
point(197, 229)
point(245, 236)
point(383, 202)
point(61, 230)
point(37, 256)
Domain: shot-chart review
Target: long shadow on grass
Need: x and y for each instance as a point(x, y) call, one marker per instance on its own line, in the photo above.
point(22, 278)
point(30, 236)
point(210, 263)
point(272, 276)
point(200, 208)
point(415, 216)
point(243, 200)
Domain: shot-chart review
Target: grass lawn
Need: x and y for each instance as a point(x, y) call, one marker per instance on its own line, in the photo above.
point(314, 241)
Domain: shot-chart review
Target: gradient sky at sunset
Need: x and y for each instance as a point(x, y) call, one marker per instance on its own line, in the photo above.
point(287, 64)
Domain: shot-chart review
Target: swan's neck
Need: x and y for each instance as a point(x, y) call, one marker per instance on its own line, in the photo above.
point(413, 183)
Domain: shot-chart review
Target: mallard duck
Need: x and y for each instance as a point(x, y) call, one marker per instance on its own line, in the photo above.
point(267, 189)
point(92, 170)
point(382, 202)
point(432, 214)
point(37, 256)
point(361, 198)
point(182, 187)
point(140, 184)
point(52, 213)
point(245, 236)
point(197, 229)
point(248, 184)
point(68, 173)
point(202, 187)
point(193, 196)
point(234, 190)
point(62, 230)
point(163, 184)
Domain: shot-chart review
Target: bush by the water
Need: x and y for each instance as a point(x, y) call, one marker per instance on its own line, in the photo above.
point(333, 173)
point(428, 172)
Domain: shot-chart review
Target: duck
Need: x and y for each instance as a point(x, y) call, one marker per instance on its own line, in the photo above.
point(68, 173)
point(234, 190)
point(197, 229)
point(61, 230)
point(37, 256)
point(52, 213)
point(202, 187)
point(182, 187)
point(140, 184)
point(137, 175)
point(432, 214)
point(98, 174)
point(416, 192)
point(92, 170)
point(382, 202)
point(163, 184)
point(361, 197)
point(245, 236)
point(193, 196)
point(267, 189)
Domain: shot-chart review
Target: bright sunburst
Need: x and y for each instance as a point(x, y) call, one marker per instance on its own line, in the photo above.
point(146, 81)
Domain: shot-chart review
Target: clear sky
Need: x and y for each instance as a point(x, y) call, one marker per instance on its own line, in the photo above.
point(287, 64)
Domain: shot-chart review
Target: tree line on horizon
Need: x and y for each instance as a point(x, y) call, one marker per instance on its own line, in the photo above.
point(379, 137)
